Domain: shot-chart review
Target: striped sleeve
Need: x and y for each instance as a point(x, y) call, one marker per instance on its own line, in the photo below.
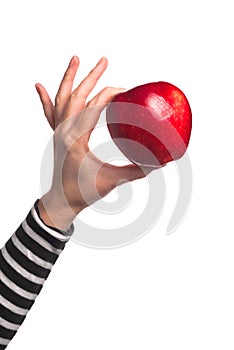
point(25, 263)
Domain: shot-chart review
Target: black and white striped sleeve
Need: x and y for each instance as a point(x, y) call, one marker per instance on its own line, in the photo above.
point(25, 263)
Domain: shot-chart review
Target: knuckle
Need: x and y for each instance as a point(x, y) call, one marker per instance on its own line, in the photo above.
point(68, 75)
point(78, 95)
point(74, 94)
point(58, 99)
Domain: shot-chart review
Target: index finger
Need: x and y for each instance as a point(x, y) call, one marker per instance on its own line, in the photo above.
point(80, 94)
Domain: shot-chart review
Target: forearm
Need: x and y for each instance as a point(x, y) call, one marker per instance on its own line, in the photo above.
point(26, 261)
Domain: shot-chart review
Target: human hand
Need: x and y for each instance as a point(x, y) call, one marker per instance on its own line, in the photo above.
point(79, 177)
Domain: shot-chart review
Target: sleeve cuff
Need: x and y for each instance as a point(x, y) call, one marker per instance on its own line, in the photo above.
point(59, 234)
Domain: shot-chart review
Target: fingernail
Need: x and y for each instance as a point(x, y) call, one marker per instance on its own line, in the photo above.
point(101, 60)
point(73, 60)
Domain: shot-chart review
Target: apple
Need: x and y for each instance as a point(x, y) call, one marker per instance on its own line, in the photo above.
point(151, 123)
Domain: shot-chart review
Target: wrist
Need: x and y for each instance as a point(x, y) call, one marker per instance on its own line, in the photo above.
point(55, 214)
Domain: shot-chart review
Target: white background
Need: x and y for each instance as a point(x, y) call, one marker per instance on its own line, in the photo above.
point(162, 292)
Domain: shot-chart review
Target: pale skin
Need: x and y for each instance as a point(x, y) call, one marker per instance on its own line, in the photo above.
point(79, 177)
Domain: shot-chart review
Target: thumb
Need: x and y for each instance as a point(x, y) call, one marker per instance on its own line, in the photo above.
point(130, 172)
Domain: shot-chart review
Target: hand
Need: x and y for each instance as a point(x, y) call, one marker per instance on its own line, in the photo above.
point(79, 177)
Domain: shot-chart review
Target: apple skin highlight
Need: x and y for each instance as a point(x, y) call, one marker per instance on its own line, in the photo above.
point(151, 123)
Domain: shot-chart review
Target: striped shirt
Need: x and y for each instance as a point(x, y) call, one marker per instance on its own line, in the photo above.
point(25, 263)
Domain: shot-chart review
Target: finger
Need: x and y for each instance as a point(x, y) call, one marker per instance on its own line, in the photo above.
point(104, 96)
point(46, 104)
point(80, 94)
point(88, 118)
point(66, 84)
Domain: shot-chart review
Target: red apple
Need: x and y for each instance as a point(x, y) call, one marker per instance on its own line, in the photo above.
point(151, 124)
